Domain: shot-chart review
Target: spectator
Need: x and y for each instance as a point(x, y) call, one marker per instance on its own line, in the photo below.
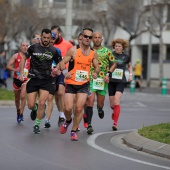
point(2, 68)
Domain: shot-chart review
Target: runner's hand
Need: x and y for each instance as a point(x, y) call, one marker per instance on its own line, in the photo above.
point(94, 75)
point(106, 79)
point(68, 75)
point(55, 72)
point(21, 77)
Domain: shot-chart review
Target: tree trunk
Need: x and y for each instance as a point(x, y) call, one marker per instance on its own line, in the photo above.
point(161, 58)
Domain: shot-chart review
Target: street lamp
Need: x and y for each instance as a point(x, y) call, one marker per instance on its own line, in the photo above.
point(149, 47)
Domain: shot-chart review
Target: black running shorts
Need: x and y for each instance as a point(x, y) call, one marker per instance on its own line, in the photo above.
point(35, 84)
point(77, 88)
point(115, 86)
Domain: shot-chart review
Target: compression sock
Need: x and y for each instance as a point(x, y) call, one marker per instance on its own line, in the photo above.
point(116, 114)
point(89, 114)
point(37, 122)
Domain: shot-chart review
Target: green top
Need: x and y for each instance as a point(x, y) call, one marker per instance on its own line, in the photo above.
point(104, 57)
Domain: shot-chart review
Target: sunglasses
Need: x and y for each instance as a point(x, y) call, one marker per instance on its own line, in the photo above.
point(37, 38)
point(86, 36)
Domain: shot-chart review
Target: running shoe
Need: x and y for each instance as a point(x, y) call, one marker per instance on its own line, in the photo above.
point(89, 129)
point(18, 118)
point(36, 129)
point(64, 126)
point(33, 113)
point(85, 120)
point(47, 124)
point(114, 127)
point(78, 129)
point(22, 117)
point(74, 136)
point(100, 113)
point(61, 121)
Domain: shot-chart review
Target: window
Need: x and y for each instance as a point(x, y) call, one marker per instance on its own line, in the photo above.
point(155, 53)
point(60, 1)
point(168, 14)
point(168, 52)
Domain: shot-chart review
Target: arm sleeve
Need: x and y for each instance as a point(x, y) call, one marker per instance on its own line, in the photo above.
point(56, 57)
point(29, 52)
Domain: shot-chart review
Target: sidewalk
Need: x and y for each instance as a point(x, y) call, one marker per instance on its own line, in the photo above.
point(134, 140)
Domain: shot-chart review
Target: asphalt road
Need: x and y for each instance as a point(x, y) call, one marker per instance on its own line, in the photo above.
point(104, 150)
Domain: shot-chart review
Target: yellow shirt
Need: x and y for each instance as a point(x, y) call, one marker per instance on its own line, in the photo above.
point(138, 69)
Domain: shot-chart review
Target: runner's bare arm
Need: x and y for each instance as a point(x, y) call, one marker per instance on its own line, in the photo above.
point(112, 68)
point(130, 71)
point(22, 64)
point(96, 66)
point(11, 62)
point(69, 56)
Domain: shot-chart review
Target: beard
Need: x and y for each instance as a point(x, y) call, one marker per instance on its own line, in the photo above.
point(45, 43)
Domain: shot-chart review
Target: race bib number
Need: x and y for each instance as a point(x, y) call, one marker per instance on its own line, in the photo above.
point(117, 74)
point(81, 76)
point(25, 73)
point(98, 84)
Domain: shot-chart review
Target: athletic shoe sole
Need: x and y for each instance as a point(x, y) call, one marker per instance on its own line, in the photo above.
point(101, 114)
point(47, 125)
point(90, 131)
point(36, 129)
point(114, 128)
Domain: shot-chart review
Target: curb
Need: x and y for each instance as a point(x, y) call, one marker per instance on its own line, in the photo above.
point(7, 103)
point(134, 140)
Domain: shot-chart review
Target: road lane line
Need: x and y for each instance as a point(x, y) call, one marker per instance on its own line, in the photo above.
point(91, 142)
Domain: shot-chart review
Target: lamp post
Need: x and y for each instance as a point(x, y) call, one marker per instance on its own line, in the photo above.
point(149, 48)
point(68, 21)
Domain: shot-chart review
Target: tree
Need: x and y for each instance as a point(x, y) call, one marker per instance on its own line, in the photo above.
point(130, 16)
point(158, 25)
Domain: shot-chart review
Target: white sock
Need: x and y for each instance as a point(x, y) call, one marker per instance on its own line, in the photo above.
point(61, 114)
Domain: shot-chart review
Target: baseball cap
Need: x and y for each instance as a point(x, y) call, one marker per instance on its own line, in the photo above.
point(53, 35)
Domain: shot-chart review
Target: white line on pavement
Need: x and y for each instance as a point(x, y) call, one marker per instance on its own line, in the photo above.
point(91, 142)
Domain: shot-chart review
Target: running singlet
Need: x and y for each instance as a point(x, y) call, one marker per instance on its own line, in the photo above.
point(119, 73)
point(64, 46)
point(104, 56)
point(41, 60)
point(26, 67)
point(79, 68)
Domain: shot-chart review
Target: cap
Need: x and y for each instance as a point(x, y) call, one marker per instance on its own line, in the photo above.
point(53, 35)
point(138, 60)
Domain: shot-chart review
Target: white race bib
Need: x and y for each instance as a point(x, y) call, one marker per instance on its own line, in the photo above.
point(81, 75)
point(98, 84)
point(25, 73)
point(117, 74)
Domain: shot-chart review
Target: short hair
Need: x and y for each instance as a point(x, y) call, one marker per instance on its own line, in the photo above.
point(124, 43)
point(89, 29)
point(56, 27)
point(33, 36)
point(46, 30)
point(80, 34)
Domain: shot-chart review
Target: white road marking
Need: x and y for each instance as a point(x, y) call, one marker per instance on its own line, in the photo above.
point(91, 142)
